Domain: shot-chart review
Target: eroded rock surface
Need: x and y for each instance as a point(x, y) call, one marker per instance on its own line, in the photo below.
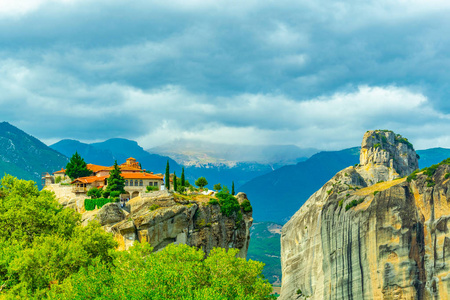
point(161, 218)
point(354, 239)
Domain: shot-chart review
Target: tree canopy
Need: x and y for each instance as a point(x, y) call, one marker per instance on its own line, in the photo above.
point(167, 177)
point(116, 183)
point(76, 167)
point(45, 253)
point(201, 182)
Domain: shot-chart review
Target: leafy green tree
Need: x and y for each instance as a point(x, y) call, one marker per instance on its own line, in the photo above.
point(41, 243)
point(76, 167)
point(116, 183)
point(217, 187)
point(201, 182)
point(232, 188)
point(174, 181)
point(183, 179)
point(176, 272)
point(167, 176)
point(94, 193)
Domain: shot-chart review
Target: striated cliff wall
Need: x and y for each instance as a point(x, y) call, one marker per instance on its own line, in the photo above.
point(354, 239)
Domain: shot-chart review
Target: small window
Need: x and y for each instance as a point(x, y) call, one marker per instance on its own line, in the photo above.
point(135, 183)
point(131, 182)
point(141, 183)
point(126, 182)
point(150, 183)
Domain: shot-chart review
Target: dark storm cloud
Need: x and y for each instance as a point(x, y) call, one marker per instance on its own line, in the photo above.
point(252, 71)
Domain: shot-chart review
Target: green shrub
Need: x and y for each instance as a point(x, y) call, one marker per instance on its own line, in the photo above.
point(114, 195)
point(213, 201)
point(246, 206)
point(105, 194)
point(341, 202)
point(181, 189)
point(154, 207)
point(299, 292)
point(376, 192)
point(447, 176)
point(151, 188)
point(329, 191)
point(377, 145)
point(228, 203)
point(90, 204)
point(354, 203)
point(58, 179)
point(94, 193)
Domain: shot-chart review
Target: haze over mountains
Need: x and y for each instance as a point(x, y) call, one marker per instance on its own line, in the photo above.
point(201, 153)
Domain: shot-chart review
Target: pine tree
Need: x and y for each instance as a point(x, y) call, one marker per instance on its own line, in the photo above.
point(232, 188)
point(174, 181)
point(116, 183)
point(76, 167)
point(167, 176)
point(183, 180)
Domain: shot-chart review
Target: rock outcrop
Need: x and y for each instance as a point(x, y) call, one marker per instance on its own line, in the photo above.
point(161, 218)
point(370, 234)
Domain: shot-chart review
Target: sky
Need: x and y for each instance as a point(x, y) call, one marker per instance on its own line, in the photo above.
point(309, 73)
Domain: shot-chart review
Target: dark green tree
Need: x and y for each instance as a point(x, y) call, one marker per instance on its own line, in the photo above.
point(183, 179)
point(174, 181)
point(232, 188)
point(116, 183)
point(201, 182)
point(217, 187)
point(76, 167)
point(167, 176)
point(94, 193)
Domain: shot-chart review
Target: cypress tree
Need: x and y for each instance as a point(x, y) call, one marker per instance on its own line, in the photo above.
point(183, 180)
point(174, 181)
point(116, 183)
point(76, 167)
point(167, 176)
point(232, 188)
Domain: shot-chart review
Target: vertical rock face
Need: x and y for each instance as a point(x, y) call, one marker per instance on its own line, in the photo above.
point(164, 218)
point(386, 156)
point(357, 240)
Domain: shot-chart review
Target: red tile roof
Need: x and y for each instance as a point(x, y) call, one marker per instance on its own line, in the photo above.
point(90, 179)
point(62, 171)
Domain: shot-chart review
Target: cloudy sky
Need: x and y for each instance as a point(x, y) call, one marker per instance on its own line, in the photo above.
point(310, 73)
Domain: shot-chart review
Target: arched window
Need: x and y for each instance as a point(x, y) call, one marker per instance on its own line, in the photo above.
point(126, 182)
point(131, 182)
point(141, 183)
point(136, 183)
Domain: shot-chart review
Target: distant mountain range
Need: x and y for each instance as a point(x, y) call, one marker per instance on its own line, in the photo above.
point(105, 153)
point(25, 157)
point(277, 195)
point(206, 154)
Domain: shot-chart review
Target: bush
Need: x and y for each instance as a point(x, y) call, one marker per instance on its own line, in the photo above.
point(105, 194)
point(377, 145)
point(341, 202)
point(447, 176)
point(58, 179)
point(354, 203)
point(201, 182)
point(246, 206)
point(94, 193)
point(151, 188)
point(115, 195)
point(154, 207)
point(181, 189)
point(228, 203)
point(213, 201)
point(90, 204)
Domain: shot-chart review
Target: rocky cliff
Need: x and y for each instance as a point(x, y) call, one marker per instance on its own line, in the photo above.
point(162, 218)
point(370, 232)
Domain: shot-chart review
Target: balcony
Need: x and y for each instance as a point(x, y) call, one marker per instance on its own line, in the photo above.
point(78, 189)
